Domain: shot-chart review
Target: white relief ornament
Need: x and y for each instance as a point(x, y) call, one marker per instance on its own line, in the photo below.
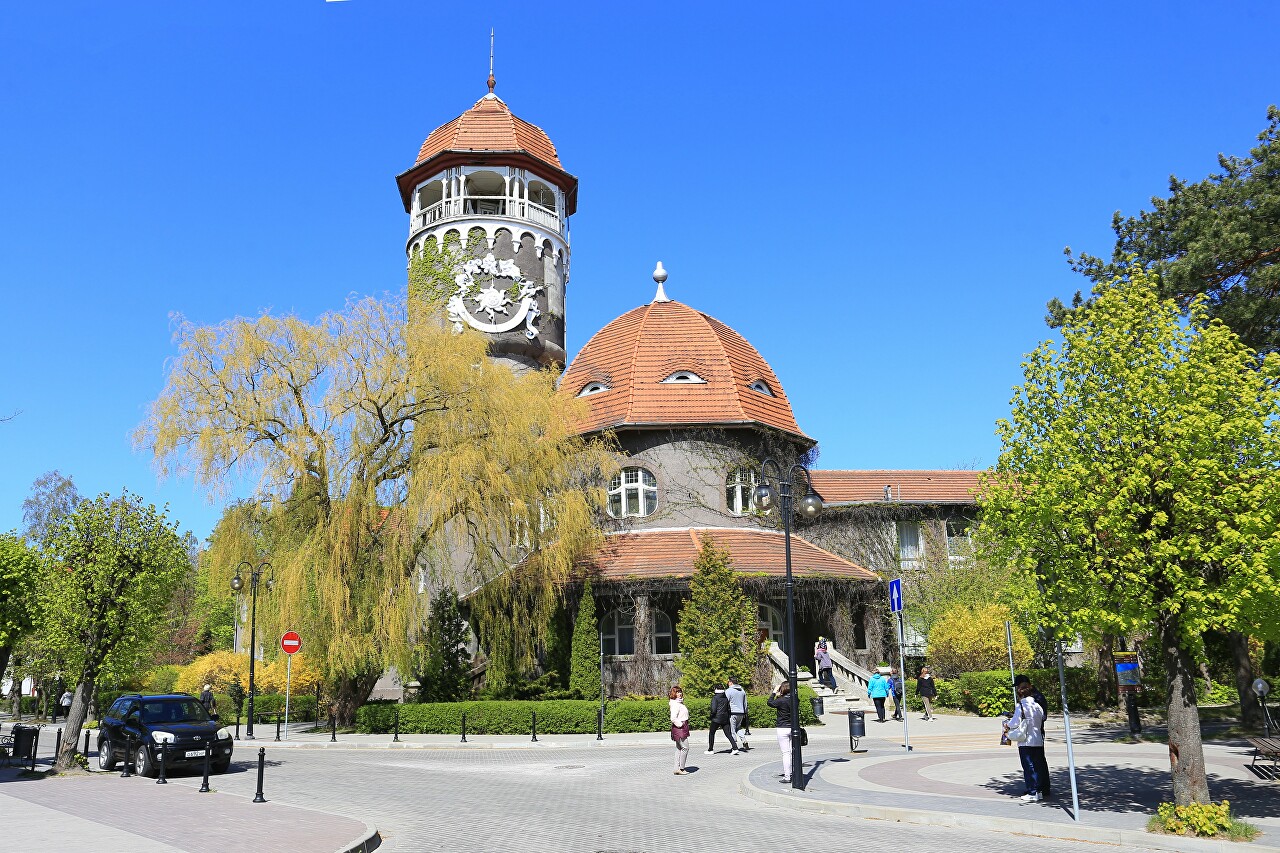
point(492, 300)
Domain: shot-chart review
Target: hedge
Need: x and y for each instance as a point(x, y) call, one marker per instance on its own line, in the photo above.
point(561, 716)
point(990, 694)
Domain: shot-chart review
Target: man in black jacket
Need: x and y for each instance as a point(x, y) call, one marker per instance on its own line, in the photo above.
point(720, 720)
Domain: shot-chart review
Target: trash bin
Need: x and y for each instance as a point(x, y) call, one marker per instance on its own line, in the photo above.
point(857, 724)
point(818, 709)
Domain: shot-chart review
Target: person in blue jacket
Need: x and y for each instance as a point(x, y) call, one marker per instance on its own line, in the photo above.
point(878, 689)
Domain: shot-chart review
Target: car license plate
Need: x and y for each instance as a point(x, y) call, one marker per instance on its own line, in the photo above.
point(195, 753)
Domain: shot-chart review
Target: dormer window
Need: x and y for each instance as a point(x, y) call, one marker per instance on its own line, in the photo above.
point(684, 377)
point(592, 388)
point(761, 387)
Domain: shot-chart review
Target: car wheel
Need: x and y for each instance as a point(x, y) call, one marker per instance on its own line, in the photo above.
point(220, 766)
point(142, 763)
point(106, 754)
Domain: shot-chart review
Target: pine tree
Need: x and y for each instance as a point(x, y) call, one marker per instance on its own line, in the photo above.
point(717, 625)
point(584, 668)
point(445, 675)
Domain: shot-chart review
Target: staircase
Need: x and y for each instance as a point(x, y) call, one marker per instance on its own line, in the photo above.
point(851, 680)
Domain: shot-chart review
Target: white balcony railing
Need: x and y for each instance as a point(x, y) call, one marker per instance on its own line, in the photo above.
point(509, 208)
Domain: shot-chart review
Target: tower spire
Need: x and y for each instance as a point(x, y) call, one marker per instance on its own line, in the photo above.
point(492, 82)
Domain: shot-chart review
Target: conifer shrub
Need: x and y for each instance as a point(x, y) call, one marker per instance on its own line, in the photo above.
point(584, 663)
point(717, 625)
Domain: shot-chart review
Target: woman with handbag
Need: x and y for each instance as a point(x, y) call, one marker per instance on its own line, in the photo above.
point(1026, 729)
point(780, 701)
point(679, 728)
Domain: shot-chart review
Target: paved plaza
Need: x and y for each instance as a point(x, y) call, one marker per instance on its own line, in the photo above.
point(573, 793)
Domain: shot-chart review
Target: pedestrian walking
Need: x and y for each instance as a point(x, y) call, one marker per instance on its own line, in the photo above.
point(878, 690)
point(927, 690)
point(679, 728)
point(895, 686)
point(822, 658)
point(720, 720)
point(737, 711)
point(781, 702)
point(209, 702)
point(65, 703)
point(1026, 729)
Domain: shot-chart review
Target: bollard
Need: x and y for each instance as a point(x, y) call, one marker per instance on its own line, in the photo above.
point(600, 724)
point(86, 743)
point(128, 756)
point(396, 738)
point(204, 783)
point(464, 726)
point(317, 706)
point(57, 745)
point(35, 746)
point(277, 727)
point(534, 726)
point(333, 727)
point(262, 767)
point(164, 751)
point(237, 727)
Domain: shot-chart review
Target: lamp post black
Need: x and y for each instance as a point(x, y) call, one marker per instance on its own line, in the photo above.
point(767, 496)
point(237, 584)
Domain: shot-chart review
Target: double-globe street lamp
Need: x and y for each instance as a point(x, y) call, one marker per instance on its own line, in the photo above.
point(237, 584)
point(766, 497)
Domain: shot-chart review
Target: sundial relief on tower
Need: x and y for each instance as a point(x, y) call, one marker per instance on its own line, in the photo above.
point(492, 184)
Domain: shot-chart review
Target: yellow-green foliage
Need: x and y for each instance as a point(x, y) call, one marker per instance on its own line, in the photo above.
point(271, 677)
point(973, 640)
point(385, 447)
point(1202, 819)
point(220, 669)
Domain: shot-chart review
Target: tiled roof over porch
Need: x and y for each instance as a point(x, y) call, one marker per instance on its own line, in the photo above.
point(933, 487)
point(671, 553)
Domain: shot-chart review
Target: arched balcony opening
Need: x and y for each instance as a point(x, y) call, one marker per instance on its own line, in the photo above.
point(508, 193)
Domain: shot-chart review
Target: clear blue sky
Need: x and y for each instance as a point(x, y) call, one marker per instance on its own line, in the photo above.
point(876, 196)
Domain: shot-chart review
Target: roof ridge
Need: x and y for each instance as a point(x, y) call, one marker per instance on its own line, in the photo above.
point(728, 362)
point(631, 362)
point(834, 555)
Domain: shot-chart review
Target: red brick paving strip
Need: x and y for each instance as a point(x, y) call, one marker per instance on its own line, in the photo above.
point(198, 823)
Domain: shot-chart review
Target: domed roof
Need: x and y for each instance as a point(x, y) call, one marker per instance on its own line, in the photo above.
point(490, 126)
point(666, 364)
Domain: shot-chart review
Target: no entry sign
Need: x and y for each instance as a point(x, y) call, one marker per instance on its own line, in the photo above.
point(290, 642)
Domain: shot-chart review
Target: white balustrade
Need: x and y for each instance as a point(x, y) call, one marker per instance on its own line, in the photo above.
point(502, 206)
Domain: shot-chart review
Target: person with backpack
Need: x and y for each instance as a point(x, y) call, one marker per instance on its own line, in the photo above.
point(822, 659)
point(895, 688)
point(720, 720)
point(877, 691)
point(737, 710)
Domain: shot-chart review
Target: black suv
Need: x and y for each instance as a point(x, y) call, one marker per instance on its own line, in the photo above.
point(142, 723)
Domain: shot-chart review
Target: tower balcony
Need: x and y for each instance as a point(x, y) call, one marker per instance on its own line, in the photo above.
point(488, 206)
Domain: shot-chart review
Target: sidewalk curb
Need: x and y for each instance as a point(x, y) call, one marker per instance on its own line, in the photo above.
point(1014, 826)
point(462, 746)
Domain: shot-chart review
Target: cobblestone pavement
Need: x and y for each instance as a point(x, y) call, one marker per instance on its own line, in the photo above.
point(572, 798)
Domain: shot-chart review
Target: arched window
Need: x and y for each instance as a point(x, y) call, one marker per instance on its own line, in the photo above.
point(761, 387)
point(663, 640)
point(619, 630)
point(592, 388)
point(770, 621)
point(633, 492)
point(737, 490)
point(684, 377)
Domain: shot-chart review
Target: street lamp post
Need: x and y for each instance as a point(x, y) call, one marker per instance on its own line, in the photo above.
point(237, 584)
point(766, 497)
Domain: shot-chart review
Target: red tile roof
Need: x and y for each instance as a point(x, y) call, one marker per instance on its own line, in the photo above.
point(671, 553)
point(905, 486)
point(634, 353)
point(489, 126)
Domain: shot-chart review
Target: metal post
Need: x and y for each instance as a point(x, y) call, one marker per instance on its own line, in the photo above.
point(396, 737)
point(464, 726)
point(86, 744)
point(253, 647)
point(797, 756)
point(1008, 644)
point(35, 746)
point(600, 724)
point(128, 756)
point(534, 725)
point(288, 679)
point(317, 705)
point(57, 745)
point(333, 726)
point(1066, 723)
point(902, 680)
point(277, 725)
point(164, 749)
point(262, 768)
point(237, 725)
point(600, 727)
point(204, 783)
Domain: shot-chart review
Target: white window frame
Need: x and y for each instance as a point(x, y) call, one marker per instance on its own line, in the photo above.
point(766, 617)
point(633, 482)
point(910, 554)
point(739, 487)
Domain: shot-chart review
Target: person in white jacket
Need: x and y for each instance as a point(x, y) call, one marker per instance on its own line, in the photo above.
point(679, 728)
point(1026, 728)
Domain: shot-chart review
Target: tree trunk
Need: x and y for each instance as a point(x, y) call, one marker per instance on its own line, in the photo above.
point(1186, 751)
point(1250, 710)
point(75, 722)
point(1106, 694)
point(351, 693)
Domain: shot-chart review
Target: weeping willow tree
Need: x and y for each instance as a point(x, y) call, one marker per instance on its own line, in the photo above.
point(389, 457)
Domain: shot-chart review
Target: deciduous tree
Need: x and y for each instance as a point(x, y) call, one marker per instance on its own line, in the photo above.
point(110, 568)
point(18, 569)
point(1138, 486)
point(388, 452)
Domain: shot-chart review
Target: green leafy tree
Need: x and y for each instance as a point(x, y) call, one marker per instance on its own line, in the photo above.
point(584, 664)
point(1218, 238)
point(18, 570)
point(52, 498)
point(1138, 486)
point(717, 625)
point(110, 569)
point(445, 673)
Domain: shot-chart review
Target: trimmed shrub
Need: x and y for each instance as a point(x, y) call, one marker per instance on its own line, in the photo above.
point(990, 694)
point(949, 695)
point(973, 640)
point(301, 707)
point(564, 716)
